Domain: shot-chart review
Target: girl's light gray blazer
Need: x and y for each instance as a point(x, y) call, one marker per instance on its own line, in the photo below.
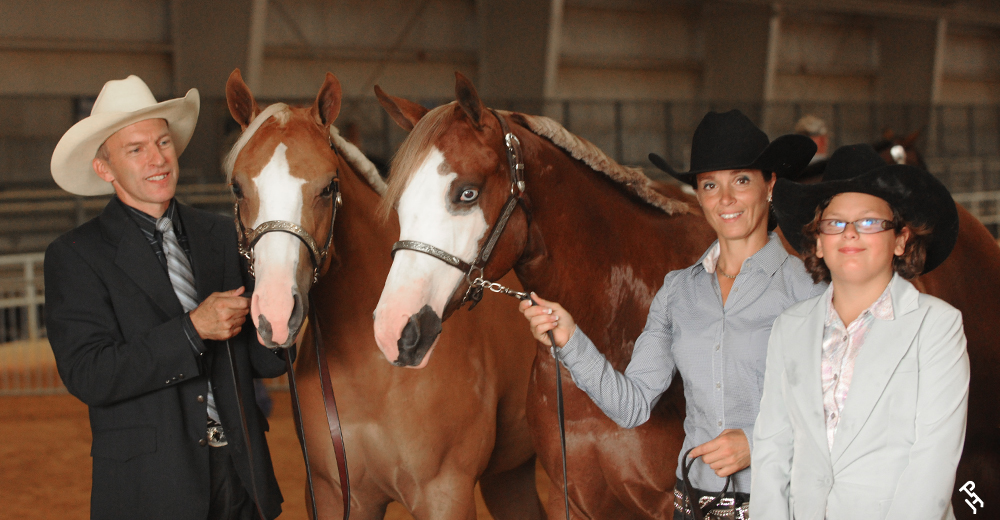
point(901, 431)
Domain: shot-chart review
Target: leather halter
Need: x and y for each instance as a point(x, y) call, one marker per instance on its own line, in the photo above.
point(247, 240)
point(476, 284)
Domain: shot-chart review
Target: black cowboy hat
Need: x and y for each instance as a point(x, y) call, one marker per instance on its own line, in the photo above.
point(919, 197)
point(731, 141)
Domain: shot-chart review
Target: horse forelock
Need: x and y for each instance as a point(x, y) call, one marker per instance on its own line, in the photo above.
point(280, 111)
point(412, 153)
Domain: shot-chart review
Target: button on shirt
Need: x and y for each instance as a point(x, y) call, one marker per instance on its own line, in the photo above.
point(840, 349)
point(719, 350)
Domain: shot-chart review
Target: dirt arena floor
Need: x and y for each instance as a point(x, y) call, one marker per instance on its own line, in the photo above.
point(45, 454)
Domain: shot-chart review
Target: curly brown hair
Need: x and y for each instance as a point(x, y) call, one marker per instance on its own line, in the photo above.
point(908, 265)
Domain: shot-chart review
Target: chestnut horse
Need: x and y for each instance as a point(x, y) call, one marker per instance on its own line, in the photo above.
point(594, 243)
point(421, 441)
point(591, 234)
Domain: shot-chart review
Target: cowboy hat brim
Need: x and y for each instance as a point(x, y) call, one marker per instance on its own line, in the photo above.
point(786, 156)
point(918, 196)
point(73, 156)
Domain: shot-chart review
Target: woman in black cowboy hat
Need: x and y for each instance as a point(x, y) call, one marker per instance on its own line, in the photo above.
point(710, 322)
point(867, 419)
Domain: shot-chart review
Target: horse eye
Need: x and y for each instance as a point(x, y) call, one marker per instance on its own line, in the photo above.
point(329, 189)
point(237, 189)
point(469, 195)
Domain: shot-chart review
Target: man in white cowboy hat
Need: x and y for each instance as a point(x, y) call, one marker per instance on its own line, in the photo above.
point(143, 307)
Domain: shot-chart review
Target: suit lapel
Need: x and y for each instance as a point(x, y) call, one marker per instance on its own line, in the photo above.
point(136, 258)
point(206, 253)
point(884, 346)
point(802, 367)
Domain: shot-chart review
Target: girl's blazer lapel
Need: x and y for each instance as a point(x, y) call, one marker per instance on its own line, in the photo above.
point(886, 344)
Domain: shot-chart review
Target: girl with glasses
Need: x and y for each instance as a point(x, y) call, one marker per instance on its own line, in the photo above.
point(864, 405)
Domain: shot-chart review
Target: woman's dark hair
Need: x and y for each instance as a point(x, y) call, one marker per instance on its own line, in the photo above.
point(908, 265)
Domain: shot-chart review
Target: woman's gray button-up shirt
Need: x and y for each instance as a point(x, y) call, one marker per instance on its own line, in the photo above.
point(719, 351)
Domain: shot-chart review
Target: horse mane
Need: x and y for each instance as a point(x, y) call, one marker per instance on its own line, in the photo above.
point(361, 164)
point(418, 144)
point(632, 179)
point(282, 113)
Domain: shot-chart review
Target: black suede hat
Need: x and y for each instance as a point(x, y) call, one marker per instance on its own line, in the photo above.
point(730, 141)
point(919, 197)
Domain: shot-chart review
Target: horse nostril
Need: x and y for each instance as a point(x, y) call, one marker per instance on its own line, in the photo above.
point(418, 335)
point(264, 328)
point(298, 311)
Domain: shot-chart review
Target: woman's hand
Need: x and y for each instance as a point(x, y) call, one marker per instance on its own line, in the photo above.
point(548, 316)
point(725, 454)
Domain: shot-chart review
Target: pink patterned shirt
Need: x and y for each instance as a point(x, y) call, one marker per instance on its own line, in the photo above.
point(840, 349)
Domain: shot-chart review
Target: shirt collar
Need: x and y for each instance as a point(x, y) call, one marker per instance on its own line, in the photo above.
point(146, 221)
point(768, 259)
point(881, 308)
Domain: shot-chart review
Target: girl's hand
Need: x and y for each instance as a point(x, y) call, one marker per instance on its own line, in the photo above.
point(548, 316)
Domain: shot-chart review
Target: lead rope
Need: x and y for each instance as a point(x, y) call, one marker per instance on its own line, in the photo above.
point(332, 415)
point(297, 415)
point(694, 501)
point(332, 418)
point(246, 432)
point(560, 413)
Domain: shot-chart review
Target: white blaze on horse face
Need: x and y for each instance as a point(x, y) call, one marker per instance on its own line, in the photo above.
point(416, 279)
point(276, 255)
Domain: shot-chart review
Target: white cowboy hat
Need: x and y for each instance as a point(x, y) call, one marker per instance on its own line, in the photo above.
point(120, 103)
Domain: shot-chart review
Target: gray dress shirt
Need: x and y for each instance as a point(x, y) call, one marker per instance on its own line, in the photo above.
point(719, 351)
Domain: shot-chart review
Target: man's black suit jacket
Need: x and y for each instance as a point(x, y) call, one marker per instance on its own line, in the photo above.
point(115, 326)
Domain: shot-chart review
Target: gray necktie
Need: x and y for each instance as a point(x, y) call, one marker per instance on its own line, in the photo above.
point(182, 278)
point(178, 266)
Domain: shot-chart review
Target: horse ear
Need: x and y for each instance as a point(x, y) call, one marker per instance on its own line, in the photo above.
point(327, 106)
point(242, 105)
point(404, 112)
point(468, 98)
point(912, 138)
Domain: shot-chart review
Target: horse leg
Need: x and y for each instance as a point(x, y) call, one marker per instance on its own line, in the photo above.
point(512, 494)
point(446, 497)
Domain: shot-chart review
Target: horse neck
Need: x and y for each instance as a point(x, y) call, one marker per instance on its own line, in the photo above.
point(599, 251)
point(348, 292)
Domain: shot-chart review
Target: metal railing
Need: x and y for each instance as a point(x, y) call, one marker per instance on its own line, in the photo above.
point(27, 365)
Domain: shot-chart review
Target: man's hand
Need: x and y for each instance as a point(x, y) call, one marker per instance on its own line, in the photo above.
point(221, 315)
point(726, 454)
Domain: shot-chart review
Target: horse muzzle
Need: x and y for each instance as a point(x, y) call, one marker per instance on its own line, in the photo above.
point(419, 335)
point(290, 331)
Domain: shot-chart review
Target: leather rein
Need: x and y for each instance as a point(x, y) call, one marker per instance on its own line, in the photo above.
point(247, 241)
point(477, 284)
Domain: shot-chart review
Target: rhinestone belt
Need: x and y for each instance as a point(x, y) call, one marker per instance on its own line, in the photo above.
point(724, 511)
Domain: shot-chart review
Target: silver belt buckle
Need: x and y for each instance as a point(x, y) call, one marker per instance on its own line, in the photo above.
point(216, 436)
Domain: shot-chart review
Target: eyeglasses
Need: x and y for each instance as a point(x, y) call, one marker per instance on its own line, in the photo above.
point(865, 225)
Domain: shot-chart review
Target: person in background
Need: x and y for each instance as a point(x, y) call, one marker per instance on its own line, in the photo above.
point(866, 391)
point(814, 128)
point(709, 322)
